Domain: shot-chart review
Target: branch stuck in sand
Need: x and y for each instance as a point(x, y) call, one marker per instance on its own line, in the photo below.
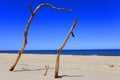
point(46, 70)
point(59, 50)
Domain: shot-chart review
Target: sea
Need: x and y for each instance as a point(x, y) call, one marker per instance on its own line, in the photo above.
point(90, 52)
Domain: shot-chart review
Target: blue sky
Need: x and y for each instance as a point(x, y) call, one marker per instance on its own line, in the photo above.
point(98, 25)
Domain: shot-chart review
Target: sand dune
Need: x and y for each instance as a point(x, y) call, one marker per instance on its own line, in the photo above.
point(32, 67)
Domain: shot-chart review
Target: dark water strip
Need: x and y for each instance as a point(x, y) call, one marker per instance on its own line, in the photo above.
point(102, 52)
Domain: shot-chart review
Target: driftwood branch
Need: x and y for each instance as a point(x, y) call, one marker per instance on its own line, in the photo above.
point(46, 69)
point(47, 4)
point(30, 8)
point(27, 27)
point(59, 50)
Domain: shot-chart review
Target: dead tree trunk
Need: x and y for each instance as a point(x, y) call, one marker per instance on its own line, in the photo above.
point(27, 27)
point(59, 50)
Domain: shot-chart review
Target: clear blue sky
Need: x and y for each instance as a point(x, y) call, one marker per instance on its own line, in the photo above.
point(98, 24)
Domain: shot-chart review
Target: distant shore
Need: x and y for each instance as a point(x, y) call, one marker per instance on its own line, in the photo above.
point(72, 67)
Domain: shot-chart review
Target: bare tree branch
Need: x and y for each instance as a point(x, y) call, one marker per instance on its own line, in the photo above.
point(59, 50)
point(68, 35)
point(47, 4)
point(30, 8)
point(27, 27)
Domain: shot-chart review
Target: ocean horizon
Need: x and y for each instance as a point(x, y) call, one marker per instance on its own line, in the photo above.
point(97, 52)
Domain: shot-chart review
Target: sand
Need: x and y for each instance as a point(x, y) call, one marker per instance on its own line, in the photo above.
point(32, 67)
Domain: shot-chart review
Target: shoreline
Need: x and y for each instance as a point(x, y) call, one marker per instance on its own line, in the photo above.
point(60, 54)
point(72, 67)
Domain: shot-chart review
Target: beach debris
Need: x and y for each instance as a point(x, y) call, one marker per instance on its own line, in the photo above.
point(111, 66)
point(60, 49)
point(27, 28)
point(46, 69)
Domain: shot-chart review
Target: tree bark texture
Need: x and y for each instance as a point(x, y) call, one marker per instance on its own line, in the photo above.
point(27, 28)
point(59, 50)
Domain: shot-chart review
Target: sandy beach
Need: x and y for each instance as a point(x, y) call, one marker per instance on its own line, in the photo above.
point(32, 67)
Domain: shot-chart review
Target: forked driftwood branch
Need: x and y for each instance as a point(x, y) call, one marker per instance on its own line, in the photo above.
point(46, 69)
point(59, 50)
point(27, 27)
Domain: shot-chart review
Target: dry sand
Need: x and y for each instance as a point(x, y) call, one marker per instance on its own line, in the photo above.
point(32, 67)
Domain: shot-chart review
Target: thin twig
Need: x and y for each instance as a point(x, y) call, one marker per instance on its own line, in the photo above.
point(30, 8)
point(46, 69)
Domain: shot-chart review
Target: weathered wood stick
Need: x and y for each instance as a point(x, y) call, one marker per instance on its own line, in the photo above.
point(59, 50)
point(46, 69)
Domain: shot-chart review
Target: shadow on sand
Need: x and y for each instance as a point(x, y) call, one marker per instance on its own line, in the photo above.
point(70, 76)
point(24, 69)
